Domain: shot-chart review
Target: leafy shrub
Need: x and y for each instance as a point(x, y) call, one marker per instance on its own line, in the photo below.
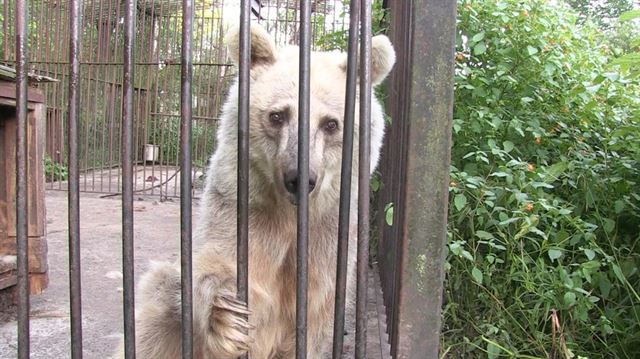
point(545, 202)
point(54, 171)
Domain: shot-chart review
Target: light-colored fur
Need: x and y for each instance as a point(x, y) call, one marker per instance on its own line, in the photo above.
point(219, 320)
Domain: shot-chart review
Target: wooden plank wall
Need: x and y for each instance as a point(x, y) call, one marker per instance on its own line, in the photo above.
point(36, 142)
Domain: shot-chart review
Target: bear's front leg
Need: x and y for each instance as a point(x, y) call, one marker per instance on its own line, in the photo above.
point(220, 321)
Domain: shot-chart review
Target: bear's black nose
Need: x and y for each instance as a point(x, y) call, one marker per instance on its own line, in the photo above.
point(291, 181)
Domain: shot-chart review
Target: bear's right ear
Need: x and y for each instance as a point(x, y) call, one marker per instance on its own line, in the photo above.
point(383, 56)
point(263, 48)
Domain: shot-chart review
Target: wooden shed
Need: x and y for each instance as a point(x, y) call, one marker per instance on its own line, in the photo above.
point(36, 206)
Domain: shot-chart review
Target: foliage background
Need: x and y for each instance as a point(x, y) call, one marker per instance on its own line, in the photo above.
point(545, 183)
point(544, 221)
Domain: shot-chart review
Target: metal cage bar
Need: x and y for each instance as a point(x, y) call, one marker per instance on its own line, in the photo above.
point(242, 272)
point(22, 62)
point(304, 104)
point(185, 180)
point(345, 182)
point(421, 108)
point(127, 179)
point(364, 190)
point(75, 288)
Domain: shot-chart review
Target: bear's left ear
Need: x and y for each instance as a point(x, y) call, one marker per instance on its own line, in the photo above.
point(263, 48)
point(382, 58)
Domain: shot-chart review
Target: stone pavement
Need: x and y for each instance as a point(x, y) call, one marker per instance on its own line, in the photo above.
point(157, 237)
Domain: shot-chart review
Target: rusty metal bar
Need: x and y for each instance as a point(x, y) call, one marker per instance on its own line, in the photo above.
point(345, 182)
point(302, 259)
point(5, 30)
point(185, 181)
point(403, 73)
point(394, 164)
point(427, 56)
point(364, 170)
point(127, 180)
point(242, 276)
point(21, 179)
point(75, 291)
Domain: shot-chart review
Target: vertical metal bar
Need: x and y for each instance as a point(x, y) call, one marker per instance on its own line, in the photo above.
point(75, 291)
point(89, 122)
point(345, 182)
point(57, 54)
point(110, 91)
point(303, 179)
point(21, 179)
point(148, 74)
point(5, 30)
point(242, 272)
point(127, 180)
point(185, 180)
point(399, 163)
point(364, 165)
point(428, 56)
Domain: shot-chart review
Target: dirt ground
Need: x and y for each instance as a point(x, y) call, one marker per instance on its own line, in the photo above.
point(157, 237)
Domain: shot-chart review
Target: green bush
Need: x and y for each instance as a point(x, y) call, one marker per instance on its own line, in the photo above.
point(545, 204)
point(54, 171)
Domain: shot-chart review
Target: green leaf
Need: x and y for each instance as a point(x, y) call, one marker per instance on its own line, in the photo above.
point(477, 37)
point(627, 59)
point(480, 48)
point(618, 206)
point(594, 88)
point(609, 225)
point(589, 253)
point(630, 15)
point(569, 299)
point(467, 255)
point(493, 351)
point(484, 235)
point(531, 50)
point(508, 146)
point(541, 184)
point(477, 275)
point(388, 211)
point(460, 201)
point(618, 272)
point(554, 254)
point(375, 184)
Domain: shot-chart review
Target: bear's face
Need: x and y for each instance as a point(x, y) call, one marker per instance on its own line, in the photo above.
point(274, 113)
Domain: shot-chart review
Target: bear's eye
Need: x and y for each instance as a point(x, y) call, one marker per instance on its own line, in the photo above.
point(277, 118)
point(330, 126)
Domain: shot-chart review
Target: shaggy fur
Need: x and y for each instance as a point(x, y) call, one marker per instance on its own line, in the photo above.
point(219, 320)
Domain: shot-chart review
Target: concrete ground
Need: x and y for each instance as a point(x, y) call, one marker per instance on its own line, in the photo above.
point(157, 237)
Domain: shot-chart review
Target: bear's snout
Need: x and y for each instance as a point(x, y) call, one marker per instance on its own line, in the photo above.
point(291, 183)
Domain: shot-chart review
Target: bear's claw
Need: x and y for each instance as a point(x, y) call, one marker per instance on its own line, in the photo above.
point(231, 304)
point(229, 327)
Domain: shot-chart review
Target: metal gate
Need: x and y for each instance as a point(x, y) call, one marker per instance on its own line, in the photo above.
point(156, 103)
point(414, 168)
